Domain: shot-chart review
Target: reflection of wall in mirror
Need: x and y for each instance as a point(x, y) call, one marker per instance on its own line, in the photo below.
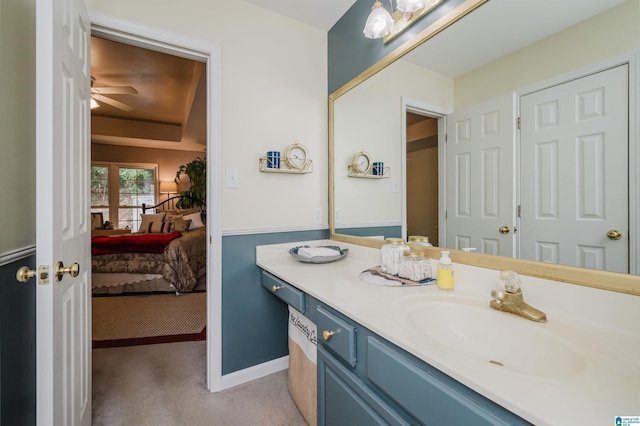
point(369, 118)
point(613, 32)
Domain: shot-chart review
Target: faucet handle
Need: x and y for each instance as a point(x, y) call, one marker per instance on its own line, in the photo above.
point(509, 280)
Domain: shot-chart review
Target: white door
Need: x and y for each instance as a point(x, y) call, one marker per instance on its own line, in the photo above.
point(574, 168)
point(63, 333)
point(480, 184)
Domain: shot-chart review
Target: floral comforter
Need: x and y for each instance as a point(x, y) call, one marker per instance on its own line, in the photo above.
point(179, 263)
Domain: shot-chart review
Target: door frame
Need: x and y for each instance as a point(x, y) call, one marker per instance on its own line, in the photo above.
point(434, 111)
point(631, 59)
point(132, 33)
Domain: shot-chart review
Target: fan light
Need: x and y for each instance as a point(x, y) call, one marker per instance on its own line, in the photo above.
point(94, 104)
point(379, 23)
point(408, 6)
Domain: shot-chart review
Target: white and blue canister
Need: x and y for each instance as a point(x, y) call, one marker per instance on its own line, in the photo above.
point(273, 159)
point(390, 255)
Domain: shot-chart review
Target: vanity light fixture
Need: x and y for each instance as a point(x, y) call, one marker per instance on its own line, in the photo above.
point(94, 104)
point(379, 23)
point(382, 24)
point(410, 6)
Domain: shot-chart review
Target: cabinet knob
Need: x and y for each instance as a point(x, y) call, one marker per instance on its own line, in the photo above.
point(326, 335)
point(276, 288)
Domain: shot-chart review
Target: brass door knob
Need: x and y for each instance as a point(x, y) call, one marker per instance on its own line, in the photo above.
point(72, 270)
point(504, 229)
point(614, 234)
point(326, 335)
point(24, 274)
point(276, 288)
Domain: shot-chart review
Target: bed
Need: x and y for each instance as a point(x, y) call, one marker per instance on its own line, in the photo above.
point(167, 254)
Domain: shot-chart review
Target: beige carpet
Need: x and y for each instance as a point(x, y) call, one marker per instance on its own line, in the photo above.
point(165, 385)
point(130, 317)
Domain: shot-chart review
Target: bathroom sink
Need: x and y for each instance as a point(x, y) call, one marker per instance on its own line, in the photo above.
point(470, 328)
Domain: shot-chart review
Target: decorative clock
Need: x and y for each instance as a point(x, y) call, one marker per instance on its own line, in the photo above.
point(361, 163)
point(296, 156)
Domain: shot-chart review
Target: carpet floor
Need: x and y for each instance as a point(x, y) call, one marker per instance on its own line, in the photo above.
point(165, 385)
point(148, 319)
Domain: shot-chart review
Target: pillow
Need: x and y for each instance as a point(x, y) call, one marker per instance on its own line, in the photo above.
point(158, 227)
point(181, 225)
point(196, 220)
point(171, 217)
point(147, 219)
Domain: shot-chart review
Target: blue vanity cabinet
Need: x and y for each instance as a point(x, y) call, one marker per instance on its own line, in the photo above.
point(366, 380)
point(345, 399)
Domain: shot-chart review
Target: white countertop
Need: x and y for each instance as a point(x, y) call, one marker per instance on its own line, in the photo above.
point(609, 323)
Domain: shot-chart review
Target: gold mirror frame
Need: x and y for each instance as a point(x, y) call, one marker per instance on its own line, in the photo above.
point(612, 281)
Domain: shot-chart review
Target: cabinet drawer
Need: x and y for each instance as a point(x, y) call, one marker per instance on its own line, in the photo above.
point(337, 335)
point(289, 294)
point(430, 396)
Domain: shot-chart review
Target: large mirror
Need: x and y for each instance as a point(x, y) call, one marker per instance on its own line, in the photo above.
point(396, 116)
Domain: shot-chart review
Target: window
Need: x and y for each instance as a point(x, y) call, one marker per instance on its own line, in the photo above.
point(119, 190)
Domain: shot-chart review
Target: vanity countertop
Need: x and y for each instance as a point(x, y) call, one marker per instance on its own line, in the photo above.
point(605, 326)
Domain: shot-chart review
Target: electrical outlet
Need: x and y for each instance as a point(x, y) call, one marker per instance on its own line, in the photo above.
point(233, 178)
point(317, 216)
point(337, 214)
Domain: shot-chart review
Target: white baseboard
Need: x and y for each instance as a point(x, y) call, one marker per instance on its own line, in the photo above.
point(257, 371)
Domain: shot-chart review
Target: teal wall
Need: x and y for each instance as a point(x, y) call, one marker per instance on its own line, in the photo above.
point(349, 52)
point(17, 346)
point(254, 322)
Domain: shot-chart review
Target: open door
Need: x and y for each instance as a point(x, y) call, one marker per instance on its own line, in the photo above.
point(480, 178)
point(63, 333)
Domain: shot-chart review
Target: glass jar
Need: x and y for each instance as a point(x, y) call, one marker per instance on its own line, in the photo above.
point(414, 266)
point(420, 240)
point(390, 254)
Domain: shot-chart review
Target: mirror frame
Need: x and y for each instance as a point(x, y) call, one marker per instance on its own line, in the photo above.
point(612, 281)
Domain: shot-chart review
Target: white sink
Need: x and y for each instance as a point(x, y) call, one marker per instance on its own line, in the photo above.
point(469, 327)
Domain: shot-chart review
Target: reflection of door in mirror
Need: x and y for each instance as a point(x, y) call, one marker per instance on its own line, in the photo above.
point(574, 168)
point(480, 178)
point(422, 176)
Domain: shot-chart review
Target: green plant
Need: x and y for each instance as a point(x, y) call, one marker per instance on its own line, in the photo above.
point(197, 173)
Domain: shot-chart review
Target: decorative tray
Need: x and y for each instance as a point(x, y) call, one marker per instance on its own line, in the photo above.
point(308, 254)
point(376, 276)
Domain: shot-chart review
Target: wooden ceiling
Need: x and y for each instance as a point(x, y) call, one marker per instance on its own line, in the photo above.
point(169, 110)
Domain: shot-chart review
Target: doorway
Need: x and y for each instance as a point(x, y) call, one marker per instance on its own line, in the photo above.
point(111, 28)
point(422, 175)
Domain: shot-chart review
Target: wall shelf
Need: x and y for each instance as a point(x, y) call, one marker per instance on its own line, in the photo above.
point(307, 167)
point(352, 173)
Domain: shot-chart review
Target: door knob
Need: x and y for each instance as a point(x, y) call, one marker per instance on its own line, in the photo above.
point(504, 229)
point(614, 234)
point(24, 274)
point(72, 270)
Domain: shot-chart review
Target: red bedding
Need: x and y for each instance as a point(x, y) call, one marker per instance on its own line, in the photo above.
point(138, 243)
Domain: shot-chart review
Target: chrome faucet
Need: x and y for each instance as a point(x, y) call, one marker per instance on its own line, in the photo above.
point(511, 299)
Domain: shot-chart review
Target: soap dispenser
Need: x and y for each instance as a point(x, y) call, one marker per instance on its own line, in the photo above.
point(445, 272)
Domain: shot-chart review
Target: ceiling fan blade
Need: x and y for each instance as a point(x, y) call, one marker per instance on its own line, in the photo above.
point(116, 90)
point(112, 102)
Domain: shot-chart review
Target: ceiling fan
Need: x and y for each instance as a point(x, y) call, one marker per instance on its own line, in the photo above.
point(97, 94)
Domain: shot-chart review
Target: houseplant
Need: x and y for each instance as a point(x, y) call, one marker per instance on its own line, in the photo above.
point(196, 171)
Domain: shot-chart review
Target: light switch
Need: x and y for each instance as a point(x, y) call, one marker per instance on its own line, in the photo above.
point(317, 216)
point(337, 214)
point(395, 185)
point(233, 178)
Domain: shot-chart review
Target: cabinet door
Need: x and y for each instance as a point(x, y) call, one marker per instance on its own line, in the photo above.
point(344, 399)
